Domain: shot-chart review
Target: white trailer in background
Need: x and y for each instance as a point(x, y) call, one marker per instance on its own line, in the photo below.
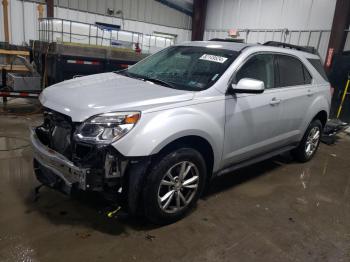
point(66, 31)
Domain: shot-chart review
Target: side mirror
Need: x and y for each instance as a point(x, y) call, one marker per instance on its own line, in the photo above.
point(248, 85)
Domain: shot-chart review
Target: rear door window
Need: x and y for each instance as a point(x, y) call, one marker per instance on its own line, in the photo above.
point(292, 72)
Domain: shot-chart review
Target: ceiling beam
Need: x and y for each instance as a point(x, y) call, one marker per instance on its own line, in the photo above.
point(198, 19)
point(6, 20)
point(49, 8)
point(341, 22)
point(185, 7)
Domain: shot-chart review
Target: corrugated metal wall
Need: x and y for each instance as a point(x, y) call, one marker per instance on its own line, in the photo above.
point(298, 16)
point(270, 14)
point(23, 21)
point(144, 16)
point(130, 25)
point(148, 11)
point(148, 16)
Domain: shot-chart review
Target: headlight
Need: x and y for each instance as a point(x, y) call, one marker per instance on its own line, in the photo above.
point(107, 128)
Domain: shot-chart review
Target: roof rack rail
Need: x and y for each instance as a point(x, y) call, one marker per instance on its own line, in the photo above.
point(227, 40)
point(308, 49)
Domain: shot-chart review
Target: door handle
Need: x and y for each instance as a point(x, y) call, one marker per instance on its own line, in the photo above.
point(275, 101)
point(309, 92)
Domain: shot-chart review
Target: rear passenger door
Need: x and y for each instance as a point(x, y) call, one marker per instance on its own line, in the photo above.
point(295, 90)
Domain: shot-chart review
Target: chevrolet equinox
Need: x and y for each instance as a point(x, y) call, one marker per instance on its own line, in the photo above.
point(155, 134)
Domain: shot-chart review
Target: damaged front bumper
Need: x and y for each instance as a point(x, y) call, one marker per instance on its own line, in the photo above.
point(103, 170)
point(55, 170)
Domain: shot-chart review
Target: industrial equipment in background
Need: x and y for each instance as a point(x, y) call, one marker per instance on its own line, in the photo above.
point(19, 77)
point(345, 93)
point(24, 81)
point(338, 77)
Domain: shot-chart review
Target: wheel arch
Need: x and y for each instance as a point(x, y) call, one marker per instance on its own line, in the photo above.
point(322, 116)
point(318, 109)
point(196, 142)
point(136, 174)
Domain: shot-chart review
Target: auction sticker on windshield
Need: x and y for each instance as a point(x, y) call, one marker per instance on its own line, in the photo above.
point(213, 58)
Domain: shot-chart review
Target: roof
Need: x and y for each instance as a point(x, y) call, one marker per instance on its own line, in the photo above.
point(217, 44)
point(234, 46)
point(307, 49)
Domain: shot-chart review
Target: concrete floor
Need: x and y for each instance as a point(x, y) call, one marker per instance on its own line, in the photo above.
point(277, 210)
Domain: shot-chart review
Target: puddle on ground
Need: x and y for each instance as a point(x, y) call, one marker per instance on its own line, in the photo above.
point(20, 106)
point(12, 143)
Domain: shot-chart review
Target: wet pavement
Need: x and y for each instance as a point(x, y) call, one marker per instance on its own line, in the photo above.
point(277, 210)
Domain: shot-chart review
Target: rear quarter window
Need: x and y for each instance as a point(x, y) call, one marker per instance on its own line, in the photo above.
point(316, 63)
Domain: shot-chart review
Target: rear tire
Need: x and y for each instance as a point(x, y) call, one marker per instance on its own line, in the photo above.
point(173, 186)
point(310, 142)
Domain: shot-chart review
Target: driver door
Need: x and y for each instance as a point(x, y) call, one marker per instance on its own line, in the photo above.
point(252, 120)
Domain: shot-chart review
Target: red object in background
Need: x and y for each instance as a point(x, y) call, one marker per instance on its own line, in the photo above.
point(329, 57)
point(82, 62)
point(137, 48)
point(233, 33)
point(17, 94)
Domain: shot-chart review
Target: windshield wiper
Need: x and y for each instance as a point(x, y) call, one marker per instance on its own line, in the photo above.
point(159, 81)
point(144, 78)
point(124, 72)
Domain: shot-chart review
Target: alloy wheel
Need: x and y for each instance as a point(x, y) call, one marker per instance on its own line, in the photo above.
point(312, 141)
point(178, 187)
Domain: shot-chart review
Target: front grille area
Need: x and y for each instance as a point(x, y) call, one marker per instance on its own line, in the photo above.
point(56, 132)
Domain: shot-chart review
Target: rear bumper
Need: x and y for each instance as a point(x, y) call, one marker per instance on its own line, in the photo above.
point(54, 165)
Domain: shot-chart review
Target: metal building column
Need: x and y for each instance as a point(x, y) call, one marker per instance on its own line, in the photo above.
point(49, 8)
point(6, 20)
point(198, 19)
point(341, 21)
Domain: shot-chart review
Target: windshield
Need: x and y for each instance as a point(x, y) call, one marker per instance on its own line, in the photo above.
point(184, 67)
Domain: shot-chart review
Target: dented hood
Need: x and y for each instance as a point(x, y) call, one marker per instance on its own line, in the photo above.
point(83, 97)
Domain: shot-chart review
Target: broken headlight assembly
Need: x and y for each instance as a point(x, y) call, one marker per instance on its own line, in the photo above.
point(107, 128)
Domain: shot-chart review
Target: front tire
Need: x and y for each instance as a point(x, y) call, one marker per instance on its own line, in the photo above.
point(310, 142)
point(174, 185)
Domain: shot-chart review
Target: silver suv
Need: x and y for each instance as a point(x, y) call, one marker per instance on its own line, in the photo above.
point(154, 135)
